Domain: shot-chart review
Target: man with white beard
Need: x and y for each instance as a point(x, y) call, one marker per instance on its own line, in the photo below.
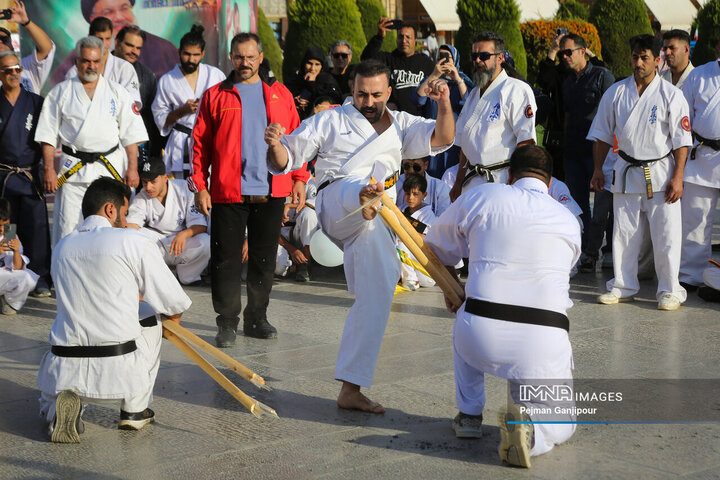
point(498, 116)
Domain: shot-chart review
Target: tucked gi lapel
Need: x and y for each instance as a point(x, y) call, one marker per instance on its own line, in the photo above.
point(95, 117)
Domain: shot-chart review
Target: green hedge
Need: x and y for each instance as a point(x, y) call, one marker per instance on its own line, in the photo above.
point(708, 22)
point(371, 11)
point(499, 16)
point(572, 10)
point(271, 48)
point(320, 23)
point(617, 21)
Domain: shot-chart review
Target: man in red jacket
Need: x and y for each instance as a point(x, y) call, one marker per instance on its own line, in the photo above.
point(230, 149)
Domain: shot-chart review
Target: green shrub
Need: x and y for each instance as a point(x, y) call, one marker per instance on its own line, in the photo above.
point(271, 48)
point(539, 35)
point(617, 21)
point(499, 16)
point(371, 11)
point(572, 10)
point(708, 22)
point(320, 23)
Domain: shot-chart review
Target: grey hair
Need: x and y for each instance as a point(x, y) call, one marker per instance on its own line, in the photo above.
point(7, 53)
point(341, 43)
point(89, 42)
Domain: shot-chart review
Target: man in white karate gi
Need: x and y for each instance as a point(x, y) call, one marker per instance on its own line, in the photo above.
point(100, 351)
point(165, 211)
point(514, 322)
point(111, 67)
point(91, 116)
point(702, 172)
point(650, 119)
point(498, 116)
point(177, 99)
point(352, 142)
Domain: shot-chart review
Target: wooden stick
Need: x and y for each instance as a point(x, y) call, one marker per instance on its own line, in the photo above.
point(256, 408)
point(226, 359)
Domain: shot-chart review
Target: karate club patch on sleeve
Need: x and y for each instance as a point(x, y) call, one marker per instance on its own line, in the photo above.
point(529, 112)
point(685, 123)
point(136, 108)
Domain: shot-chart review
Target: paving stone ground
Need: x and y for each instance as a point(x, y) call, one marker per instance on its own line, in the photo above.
point(202, 432)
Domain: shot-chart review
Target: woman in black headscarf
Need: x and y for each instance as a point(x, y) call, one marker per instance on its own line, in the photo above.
point(311, 82)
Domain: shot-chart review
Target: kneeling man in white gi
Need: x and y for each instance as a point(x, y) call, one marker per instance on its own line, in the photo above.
point(649, 118)
point(165, 211)
point(100, 352)
point(513, 323)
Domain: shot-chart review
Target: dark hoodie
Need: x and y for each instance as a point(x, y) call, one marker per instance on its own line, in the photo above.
point(324, 84)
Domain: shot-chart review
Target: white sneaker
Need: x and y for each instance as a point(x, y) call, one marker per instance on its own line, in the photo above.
point(668, 302)
point(410, 285)
point(610, 298)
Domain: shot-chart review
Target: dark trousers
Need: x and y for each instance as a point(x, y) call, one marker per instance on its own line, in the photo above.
point(227, 234)
point(29, 212)
point(578, 173)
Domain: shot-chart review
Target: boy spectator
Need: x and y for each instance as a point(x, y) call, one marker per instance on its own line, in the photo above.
point(16, 280)
point(421, 216)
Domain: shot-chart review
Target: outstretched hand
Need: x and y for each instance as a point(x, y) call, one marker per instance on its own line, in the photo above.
point(367, 193)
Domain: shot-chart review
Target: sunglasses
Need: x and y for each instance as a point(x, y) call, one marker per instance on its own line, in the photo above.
point(568, 52)
point(12, 69)
point(475, 56)
point(340, 55)
point(415, 166)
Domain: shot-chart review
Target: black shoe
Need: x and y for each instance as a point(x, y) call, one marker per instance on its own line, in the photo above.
point(689, 287)
point(135, 421)
point(587, 265)
point(709, 294)
point(225, 337)
point(259, 329)
point(302, 273)
point(41, 292)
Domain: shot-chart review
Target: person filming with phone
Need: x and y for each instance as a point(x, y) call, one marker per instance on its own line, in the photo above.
point(16, 280)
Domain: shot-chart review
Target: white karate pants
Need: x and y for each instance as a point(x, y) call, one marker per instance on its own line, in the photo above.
point(306, 223)
point(67, 211)
point(698, 214)
point(15, 285)
point(665, 223)
point(410, 274)
point(189, 264)
point(372, 269)
point(517, 352)
point(149, 343)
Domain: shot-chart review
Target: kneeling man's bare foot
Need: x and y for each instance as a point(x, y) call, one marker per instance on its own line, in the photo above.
point(352, 399)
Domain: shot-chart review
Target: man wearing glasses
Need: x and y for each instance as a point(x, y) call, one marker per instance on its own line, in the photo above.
point(341, 56)
point(20, 167)
point(498, 116)
point(582, 91)
point(438, 193)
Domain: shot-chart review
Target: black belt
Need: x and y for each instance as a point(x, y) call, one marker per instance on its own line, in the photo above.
point(86, 158)
point(714, 144)
point(517, 314)
point(645, 165)
point(389, 181)
point(186, 147)
point(475, 170)
point(94, 351)
point(149, 321)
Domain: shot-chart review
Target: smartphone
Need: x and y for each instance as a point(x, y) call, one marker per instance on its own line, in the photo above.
point(395, 24)
point(443, 55)
point(10, 232)
point(562, 31)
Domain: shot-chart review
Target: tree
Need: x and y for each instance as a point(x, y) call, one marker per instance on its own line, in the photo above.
point(499, 16)
point(320, 23)
point(617, 21)
point(708, 22)
point(572, 10)
point(271, 48)
point(371, 11)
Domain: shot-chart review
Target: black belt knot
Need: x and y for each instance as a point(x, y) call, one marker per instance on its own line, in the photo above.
point(517, 314)
point(484, 170)
point(645, 165)
point(87, 157)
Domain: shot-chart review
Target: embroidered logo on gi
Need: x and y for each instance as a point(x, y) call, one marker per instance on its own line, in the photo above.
point(685, 123)
point(67, 164)
point(529, 112)
point(564, 199)
point(495, 113)
point(113, 107)
point(134, 84)
point(136, 108)
point(180, 218)
point(194, 209)
point(28, 122)
point(653, 115)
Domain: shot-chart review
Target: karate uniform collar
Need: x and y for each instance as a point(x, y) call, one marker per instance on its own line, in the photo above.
point(94, 222)
point(495, 83)
point(531, 183)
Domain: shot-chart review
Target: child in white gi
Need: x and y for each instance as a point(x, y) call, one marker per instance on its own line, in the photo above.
point(16, 280)
point(421, 217)
point(165, 211)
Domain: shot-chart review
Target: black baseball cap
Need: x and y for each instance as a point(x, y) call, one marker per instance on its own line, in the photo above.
point(151, 167)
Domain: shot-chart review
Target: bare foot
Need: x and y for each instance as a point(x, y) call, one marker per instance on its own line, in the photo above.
point(352, 399)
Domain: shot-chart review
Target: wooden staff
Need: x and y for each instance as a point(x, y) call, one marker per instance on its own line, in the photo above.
point(256, 408)
point(397, 222)
point(226, 359)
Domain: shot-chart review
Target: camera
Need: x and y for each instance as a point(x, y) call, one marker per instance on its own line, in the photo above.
point(395, 24)
point(5, 14)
